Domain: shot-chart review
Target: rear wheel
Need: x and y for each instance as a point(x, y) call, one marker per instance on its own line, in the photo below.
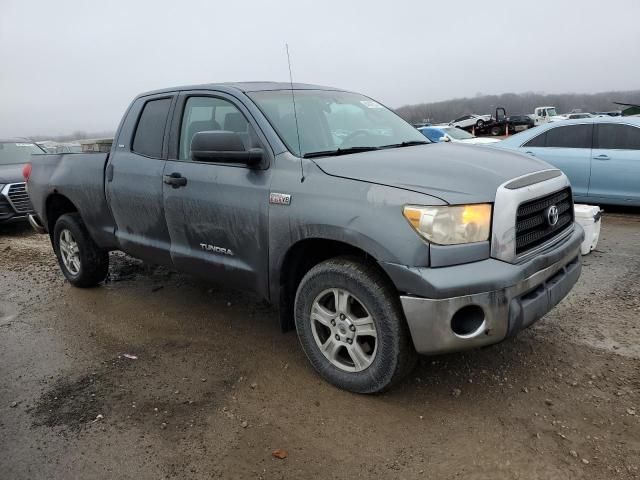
point(82, 262)
point(351, 326)
point(495, 131)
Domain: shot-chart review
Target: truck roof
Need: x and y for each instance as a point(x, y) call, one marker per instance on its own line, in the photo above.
point(243, 87)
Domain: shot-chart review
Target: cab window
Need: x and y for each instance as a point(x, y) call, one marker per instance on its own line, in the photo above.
point(149, 134)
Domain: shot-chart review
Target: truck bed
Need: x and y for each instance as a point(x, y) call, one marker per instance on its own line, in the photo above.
point(80, 178)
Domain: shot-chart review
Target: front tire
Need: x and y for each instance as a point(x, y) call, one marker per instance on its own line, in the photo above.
point(82, 262)
point(351, 326)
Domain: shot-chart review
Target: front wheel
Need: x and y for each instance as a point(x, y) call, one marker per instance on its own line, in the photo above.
point(82, 262)
point(351, 326)
point(480, 124)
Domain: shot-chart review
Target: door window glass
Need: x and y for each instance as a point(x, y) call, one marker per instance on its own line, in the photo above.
point(620, 137)
point(150, 131)
point(536, 141)
point(570, 136)
point(202, 114)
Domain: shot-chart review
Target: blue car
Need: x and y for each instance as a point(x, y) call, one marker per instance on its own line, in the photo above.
point(601, 156)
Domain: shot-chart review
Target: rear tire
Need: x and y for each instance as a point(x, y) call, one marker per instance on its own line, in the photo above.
point(350, 310)
point(82, 262)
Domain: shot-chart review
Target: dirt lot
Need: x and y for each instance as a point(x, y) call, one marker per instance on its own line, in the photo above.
point(216, 387)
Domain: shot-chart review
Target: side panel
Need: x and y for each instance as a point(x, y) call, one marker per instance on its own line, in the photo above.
point(134, 185)
point(78, 177)
point(218, 221)
point(361, 214)
point(574, 162)
point(615, 176)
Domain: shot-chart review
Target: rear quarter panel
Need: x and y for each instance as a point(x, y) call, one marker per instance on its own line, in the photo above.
point(80, 178)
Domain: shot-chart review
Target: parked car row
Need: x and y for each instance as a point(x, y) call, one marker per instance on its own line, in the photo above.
point(446, 133)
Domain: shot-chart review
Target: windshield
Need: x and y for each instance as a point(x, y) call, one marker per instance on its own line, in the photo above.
point(551, 112)
point(458, 134)
point(331, 120)
point(17, 152)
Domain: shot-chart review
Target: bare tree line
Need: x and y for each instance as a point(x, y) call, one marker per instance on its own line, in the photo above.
point(77, 135)
point(515, 104)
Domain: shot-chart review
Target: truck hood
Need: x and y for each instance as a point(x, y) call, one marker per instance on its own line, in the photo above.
point(11, 173)
point(454, 172)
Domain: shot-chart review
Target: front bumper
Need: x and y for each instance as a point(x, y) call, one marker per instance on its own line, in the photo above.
point(511, 296)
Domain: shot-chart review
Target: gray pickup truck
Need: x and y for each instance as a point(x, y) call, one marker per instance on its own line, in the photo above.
point(374, 243)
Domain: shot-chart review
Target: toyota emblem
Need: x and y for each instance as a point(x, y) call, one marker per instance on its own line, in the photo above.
point(552, 215)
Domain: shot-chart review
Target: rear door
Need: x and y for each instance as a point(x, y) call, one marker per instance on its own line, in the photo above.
point(218, 220)
point(567, 147)
point(615, 171)
point(134, 180)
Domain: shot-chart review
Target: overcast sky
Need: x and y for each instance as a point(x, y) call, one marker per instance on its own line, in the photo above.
point(68, 65)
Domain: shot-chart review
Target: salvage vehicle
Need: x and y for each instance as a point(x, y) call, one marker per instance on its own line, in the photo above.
point(14, 201)
point(542, 115)
point(445, 133)
point(518, 123)
point(375, 245)
point(600, 155)
point(470, 121)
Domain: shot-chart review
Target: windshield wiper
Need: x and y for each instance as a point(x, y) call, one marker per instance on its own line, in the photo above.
point(339, 151)
point(406, 144)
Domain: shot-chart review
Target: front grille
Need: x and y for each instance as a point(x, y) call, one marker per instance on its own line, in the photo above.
point(532, 226)
point(5, 208)
point(19, 198)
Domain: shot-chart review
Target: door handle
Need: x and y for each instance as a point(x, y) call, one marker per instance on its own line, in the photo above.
point(602, 157)
point(175, 180)
point(530, 153)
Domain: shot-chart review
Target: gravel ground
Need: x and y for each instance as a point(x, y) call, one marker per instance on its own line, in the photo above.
point(156, 375)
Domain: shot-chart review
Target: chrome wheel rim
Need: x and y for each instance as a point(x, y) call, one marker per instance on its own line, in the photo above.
point(343, 330)
point(69, 252)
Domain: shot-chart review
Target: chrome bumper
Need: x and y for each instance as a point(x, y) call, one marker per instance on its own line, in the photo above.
point(505, 311)
point(34, 221)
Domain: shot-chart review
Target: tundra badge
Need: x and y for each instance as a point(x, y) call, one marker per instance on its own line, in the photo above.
point(280, 199)
point(212, 248)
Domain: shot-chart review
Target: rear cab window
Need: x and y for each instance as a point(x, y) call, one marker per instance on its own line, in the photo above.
point(149, 135)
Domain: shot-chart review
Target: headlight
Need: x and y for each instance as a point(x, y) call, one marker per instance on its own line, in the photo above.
point(451, 225)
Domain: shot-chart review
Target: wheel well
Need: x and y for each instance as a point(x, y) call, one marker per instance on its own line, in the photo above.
point(301, 258)
point(57, 205)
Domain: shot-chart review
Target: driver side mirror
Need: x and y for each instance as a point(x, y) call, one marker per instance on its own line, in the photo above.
point(223, 146)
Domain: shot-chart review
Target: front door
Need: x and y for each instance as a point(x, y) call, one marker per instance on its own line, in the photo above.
point(134, 181)
point(615, 171)
point(567, 147)
point(217, 220)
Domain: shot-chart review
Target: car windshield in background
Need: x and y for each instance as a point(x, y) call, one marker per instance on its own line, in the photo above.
point(333, 122)
point(552, 112)
point(457, 133)
point(17, 152)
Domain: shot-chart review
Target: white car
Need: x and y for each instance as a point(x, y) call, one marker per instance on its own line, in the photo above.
point(445, 133)
point(469, 121)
